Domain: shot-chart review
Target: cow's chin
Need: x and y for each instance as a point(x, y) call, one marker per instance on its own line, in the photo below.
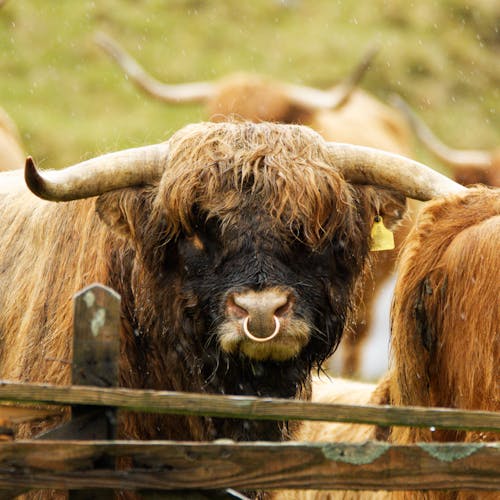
point(292, 337)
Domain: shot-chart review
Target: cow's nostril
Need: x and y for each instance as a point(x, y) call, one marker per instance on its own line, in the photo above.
point(234, 309)
point(284, 309)
point(261, 311)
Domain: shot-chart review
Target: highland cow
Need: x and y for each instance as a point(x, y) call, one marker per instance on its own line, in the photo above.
point(343, 113)
point(445, 336)
point(236, 248)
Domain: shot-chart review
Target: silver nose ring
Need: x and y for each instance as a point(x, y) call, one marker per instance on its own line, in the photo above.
point(261, 339)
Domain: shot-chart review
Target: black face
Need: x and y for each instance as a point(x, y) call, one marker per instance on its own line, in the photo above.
point(248, 259)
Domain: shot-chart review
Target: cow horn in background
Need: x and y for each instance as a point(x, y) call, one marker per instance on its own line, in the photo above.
point(130, 167)
point(449, 156)
point(337, 96)
point(364, 165)
point(186, 92)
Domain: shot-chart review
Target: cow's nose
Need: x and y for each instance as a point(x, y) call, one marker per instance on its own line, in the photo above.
point(261, 312)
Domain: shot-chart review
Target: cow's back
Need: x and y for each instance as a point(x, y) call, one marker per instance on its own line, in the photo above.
point(367, 122)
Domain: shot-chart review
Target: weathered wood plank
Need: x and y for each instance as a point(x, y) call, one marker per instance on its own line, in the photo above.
point(96, 349)
point(250, 407)
point(248, 466)
point(12, 415)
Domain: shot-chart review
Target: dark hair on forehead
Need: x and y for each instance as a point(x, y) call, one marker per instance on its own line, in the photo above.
point(282, 168)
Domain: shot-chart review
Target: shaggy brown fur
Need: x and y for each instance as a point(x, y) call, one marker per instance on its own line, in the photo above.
point(445, 334)
point(447, 299)
point(238, 206)
point(362, 120)
point(11, 150)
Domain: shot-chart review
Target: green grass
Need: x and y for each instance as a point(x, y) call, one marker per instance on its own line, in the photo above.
point(70, 102)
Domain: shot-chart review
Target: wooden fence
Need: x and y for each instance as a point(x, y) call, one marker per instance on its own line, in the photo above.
point(80, 455)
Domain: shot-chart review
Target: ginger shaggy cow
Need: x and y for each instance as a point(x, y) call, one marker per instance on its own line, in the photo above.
point(445, 336)
point(236, 248)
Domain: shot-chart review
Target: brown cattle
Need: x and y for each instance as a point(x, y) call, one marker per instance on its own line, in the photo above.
point(343, 113)
point(445, 335)
point(236, 248)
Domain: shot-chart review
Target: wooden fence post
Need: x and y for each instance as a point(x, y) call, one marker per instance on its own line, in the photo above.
point(96, 350)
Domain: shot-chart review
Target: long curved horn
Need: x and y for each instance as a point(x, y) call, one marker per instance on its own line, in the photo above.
point(451, 157)
point(364, 165)
point(130, 167)
point(336, 97)
point(186, 92)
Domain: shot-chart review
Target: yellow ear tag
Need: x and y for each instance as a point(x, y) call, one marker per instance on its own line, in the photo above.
point(382, 238)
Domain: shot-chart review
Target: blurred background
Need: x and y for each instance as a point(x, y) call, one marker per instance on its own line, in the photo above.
point(71, 102)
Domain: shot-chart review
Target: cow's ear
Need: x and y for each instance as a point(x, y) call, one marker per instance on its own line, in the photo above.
point(392, 206)
point(116, 210)
point(387, 203)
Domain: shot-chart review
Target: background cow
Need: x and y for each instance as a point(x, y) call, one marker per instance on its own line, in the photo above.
point(445, 335)
point(217, 240)
point(343, 113)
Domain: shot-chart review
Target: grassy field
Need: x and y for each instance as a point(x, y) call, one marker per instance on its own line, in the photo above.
point(70, 102)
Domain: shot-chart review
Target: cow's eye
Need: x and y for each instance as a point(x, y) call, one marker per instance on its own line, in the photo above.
point(205, 237)
point(208, 234)
point(196, 242)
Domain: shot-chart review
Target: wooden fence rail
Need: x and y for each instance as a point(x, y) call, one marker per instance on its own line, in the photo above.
point(212, 405)
point(180, 465)
point(81, 454)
